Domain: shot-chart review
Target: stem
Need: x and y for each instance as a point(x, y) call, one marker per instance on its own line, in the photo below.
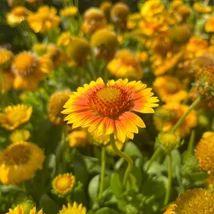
point(168, 190)
point(191, 142)
point(154, 156)
point(103, 168)
point(124, 156)
point(180, 121)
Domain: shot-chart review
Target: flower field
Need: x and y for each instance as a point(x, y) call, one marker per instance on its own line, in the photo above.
point(107, 108)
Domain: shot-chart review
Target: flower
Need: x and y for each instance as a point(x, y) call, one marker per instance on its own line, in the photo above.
point(108, 108)
point(209, 25)
point(8, 78)
point(20, 135)
point(6, 57)
point(93, 19)
point(74, 209)
point(105, 43)
point(44, 19)
point(201, 8)
point(17, 15)
point(205, 152)
point(193, 201)
point(169, 89)
point(14, 116)
point(55, 106)
point(20, 210)
point(125, 64)
point(105, 6)
point(19, 162)
point(29, 69)
point(69, 11)
point(78, 138)
point(63, 184)
point(175, 111)
point(119, 14)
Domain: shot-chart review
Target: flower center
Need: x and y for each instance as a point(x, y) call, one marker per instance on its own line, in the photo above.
point(64, 183)
point(25, 64)
point(110, 101)
point(17, 155)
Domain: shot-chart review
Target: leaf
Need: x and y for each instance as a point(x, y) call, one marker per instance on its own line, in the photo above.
point(48, 205)
point(93, 187)
point(106, 210)
point(132, 150)
point(116, 185)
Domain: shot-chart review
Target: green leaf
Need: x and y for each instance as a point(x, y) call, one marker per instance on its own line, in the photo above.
point(48, 205)
point(116, 185)
point(93, 187)
point(106, 210)
point(132, 150)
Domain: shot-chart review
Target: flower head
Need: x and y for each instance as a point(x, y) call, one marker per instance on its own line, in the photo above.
point(19, 209)
point(108, 108)
point(165, 122)
point(14, 116)
point(6, 57)
point(205, 152)
point(20, 135)
point(73, 209)
point(193, 201)
point(69, 11)
point(63, 184)
point(55, 106)
point(19, 162)
point(202, 8)
point(105, 6)
point(78, 138)
point(44, 19)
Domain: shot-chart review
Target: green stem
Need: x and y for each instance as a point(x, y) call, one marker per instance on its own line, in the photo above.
point(103, 168)
point(168, 190)
point(124, 156)
point(191, 143)
point(154, 156)
point(180, 121)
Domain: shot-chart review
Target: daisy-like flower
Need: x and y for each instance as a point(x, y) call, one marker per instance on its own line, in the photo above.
point(205, 152)
point(105, 6)
point(209, 25)
point(19, 162)
point(6, 57)
point(108, 108)
point(202, 8)
point(29, 69)
point(20, 135)
point(14, 116)
point(44, 19)
point(69, 11)
point(63, 184)
point(78, 138)
point(8, 78)
point(20, 210)
point(193, 201)
point(17, 15)
point(175, 111)
point(169, 89)
point(55, 106)
point(125, 65)
point(73, 209)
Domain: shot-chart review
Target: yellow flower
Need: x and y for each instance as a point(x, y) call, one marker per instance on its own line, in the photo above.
point(64, 39)
point(105, 6)
point(171, 209)
point(29, 69)
point(193, 201)
point(73, 209)
point(169, 89)
point(209, 25)
point(105, 43)
point(175, 111)
point(44, 19)
point(93, 19)
point(201, 8)
point(63, 184)
point(119, 14)
point(78, 138)
point(205, 152)
point(19, 162)
point(14, 116)
point(20, 135)
point(108, 108)
point(8, 78)
point(69, 11)
point(17, 15)
point(55, 106)
point(6, 57)
point(20, 210)
point(125, 64)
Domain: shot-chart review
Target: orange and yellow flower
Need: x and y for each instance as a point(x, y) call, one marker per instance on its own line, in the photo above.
point(171, 209)
point(63, 184)
point(14, 116)
point(209, 25)
point(19, 162)
point(6, 57)
point(20, 210)
point(73, 209)
point(165, 122)
point(109, 108)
